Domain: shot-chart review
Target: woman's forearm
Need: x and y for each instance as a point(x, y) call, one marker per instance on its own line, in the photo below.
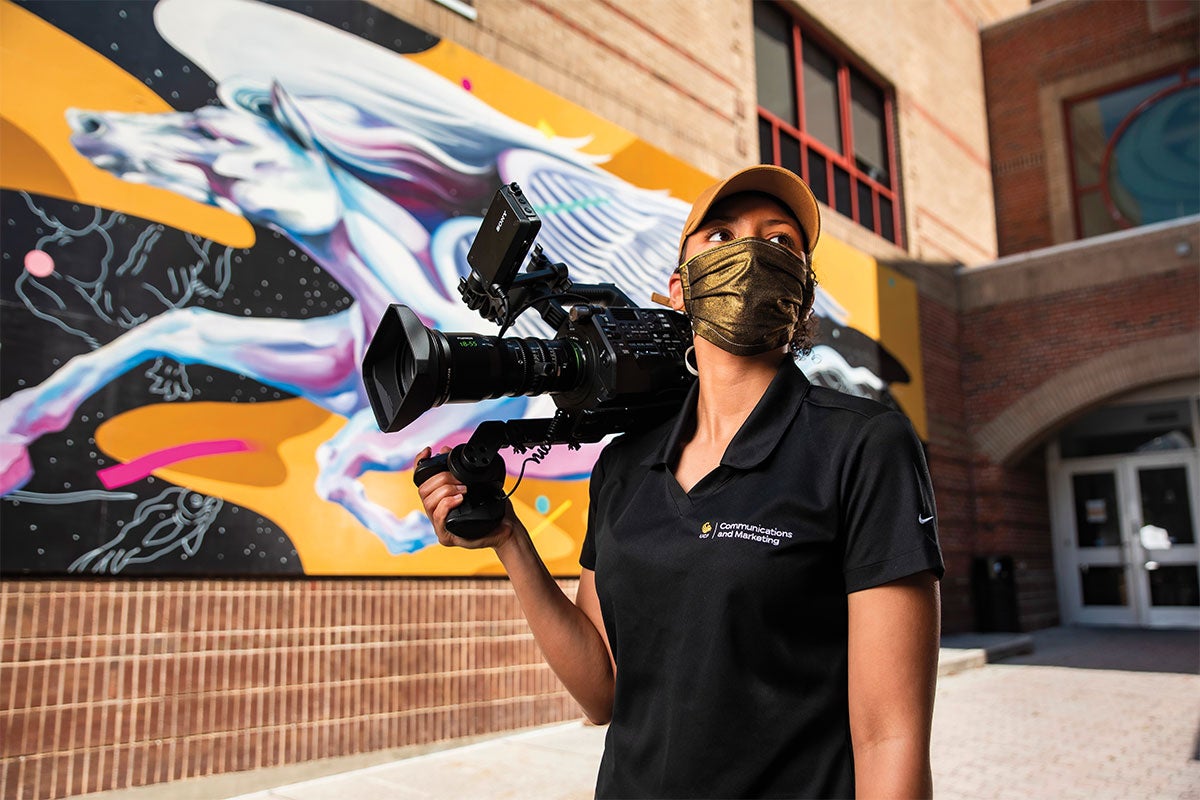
point(568, 637)
point(892, 768)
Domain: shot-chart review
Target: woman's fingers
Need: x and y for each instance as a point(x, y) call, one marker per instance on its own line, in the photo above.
point(440, 494)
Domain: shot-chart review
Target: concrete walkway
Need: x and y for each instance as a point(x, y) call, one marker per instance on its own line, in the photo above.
point(1062, 713)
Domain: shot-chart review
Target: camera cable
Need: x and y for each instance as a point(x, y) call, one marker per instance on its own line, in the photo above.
point(541, 451)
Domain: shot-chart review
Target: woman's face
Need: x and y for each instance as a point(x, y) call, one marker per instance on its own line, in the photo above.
point(737, 217)
point(745, 215)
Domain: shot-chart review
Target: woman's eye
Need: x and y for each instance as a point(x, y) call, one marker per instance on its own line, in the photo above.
point(781, 239)
point(718, 235)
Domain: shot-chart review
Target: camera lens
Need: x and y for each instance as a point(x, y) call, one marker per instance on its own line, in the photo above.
point(410, 368)
point(482, 367)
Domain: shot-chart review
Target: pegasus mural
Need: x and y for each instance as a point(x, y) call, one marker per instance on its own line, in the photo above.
point(374, 171)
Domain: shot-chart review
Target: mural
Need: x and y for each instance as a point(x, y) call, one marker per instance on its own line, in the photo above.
point(206, 209)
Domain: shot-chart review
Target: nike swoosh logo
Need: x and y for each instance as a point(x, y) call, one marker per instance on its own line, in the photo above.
point(922, 520)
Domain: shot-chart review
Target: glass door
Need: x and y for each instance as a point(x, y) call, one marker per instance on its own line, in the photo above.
point(1126, 540)
point(1167, 563)
point(1096, 569)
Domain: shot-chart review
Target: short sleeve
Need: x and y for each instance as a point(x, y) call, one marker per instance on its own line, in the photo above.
point(587, 556)
point(888, 506)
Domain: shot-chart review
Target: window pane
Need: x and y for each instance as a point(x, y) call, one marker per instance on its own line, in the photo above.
point(866, 121)
point(817, 179)
point(886, 227)
point(821, 119)
point(866, 213)
point(1094, 216)
point(1166, 504)
point(1154, 169)
point(1174, 585)
point(1140, 428)
point(766, 147)
point(1087, 142)
point(1153, 148)
point(1094, 121)
point(1096, 517)
point(789, 152)
point(774, 63)
point(1103, 586)
point(841, 191)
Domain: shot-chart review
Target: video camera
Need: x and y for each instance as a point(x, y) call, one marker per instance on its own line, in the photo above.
point(611, 367)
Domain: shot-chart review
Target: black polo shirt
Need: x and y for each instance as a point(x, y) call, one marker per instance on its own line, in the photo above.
point(726, 606)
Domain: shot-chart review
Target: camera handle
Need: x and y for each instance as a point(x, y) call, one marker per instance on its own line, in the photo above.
point(542, 286)
point(483, 504)
point(478, 465)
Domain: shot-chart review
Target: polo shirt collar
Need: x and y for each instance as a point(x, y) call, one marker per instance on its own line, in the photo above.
point(759, 434)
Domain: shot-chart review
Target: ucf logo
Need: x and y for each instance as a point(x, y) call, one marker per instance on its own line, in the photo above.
point(705, 530)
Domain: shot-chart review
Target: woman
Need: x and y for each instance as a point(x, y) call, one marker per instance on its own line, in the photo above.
point(757, 612)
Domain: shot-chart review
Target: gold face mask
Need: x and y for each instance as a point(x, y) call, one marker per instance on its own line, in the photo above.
point(745, 296)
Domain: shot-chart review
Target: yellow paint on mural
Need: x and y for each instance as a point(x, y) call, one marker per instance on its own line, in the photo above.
point(850, 276)
point(900, 331)
point(278, 479)
point(44, 72)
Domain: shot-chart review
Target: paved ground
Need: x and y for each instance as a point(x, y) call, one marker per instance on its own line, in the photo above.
point(1063, 713)
point(1022, 731)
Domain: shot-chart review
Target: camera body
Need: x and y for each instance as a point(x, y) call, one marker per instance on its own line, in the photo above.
point(611, 368)
point(636, 353)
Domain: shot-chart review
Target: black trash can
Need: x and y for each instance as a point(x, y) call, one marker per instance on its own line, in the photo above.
point(994, 592)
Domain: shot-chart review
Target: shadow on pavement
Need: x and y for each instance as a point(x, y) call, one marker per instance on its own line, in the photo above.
point(1127, 649)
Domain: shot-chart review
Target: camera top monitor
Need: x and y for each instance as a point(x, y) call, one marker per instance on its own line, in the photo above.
point(504, 238)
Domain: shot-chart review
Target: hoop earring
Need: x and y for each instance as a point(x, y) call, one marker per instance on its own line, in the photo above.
point(689, 357)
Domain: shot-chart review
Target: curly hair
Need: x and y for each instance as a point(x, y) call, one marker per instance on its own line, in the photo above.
point(805, 335)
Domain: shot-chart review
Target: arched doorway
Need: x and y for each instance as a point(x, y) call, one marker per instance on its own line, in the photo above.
point(1124, 481)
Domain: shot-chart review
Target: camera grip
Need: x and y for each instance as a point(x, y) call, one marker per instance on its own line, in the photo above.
point(483, 504)
point(428, 467)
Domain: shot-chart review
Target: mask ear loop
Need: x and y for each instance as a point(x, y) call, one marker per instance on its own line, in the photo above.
point(689, 355)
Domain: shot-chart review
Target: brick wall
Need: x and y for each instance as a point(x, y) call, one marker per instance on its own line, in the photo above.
point(1031, 64)
point(1012, 518)
point(1026, 324)
point(948, 448)
point(678, 75)
point(949, 458)
point(112, 684)
point(1011, 349)
point(928, 50)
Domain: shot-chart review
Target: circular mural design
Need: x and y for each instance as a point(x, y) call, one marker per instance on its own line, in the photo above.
point(1152, 164)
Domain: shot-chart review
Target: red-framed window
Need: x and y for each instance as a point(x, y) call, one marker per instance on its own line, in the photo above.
point(1132, 150)
point(822, 117)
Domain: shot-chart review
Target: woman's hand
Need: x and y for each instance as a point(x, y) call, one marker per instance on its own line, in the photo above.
point(443, 493)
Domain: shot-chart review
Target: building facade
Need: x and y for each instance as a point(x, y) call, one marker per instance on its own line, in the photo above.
point(964, 151)
point(1079, 345)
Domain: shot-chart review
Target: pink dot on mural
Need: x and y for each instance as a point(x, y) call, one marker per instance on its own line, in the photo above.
point(38, 263)
point(466, 84)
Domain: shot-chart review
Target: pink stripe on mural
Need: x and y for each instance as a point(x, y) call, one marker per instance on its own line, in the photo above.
point(140, 467)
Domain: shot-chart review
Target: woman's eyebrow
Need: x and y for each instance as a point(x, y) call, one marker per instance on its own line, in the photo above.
point(719, 219)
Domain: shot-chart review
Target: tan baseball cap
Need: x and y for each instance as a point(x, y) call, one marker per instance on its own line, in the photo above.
point(782, 184)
